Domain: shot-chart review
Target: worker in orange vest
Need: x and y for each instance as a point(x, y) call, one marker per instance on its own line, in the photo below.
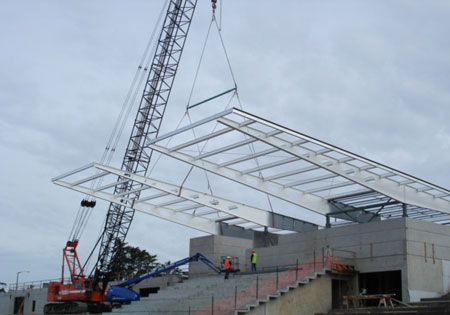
point(227, 266)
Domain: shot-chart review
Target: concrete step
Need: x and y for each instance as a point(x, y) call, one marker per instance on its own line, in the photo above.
point(197, 294)
point(276, 294)
point(193, 294)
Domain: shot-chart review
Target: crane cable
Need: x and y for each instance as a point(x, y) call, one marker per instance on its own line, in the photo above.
point(188, 106)
point(198, 66)
point(186, 113)
point(85, 212)
point(201, 150)
point(122, 119)
point(251, 146)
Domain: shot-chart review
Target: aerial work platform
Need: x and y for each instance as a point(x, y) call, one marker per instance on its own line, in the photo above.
point(308, 173)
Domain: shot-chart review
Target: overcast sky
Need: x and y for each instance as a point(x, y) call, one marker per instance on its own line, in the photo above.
point(372, 77)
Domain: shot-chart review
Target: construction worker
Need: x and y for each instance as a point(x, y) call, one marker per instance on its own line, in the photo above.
point(254, 260)
point(227, 266)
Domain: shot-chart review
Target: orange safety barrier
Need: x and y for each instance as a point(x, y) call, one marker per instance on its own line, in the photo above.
point(270, 285)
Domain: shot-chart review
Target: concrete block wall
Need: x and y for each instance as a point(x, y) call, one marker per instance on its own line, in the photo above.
point(213, 247)
point(428, 249)
point(378, 246)
point(419, 249)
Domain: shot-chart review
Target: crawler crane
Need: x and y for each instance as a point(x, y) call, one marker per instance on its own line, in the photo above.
point(87, 293)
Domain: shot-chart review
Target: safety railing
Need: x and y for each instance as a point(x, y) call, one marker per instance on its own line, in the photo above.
point(259, 285)
point(41, 284)
point(280, 278)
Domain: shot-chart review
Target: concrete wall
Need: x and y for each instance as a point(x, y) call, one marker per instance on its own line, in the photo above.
point(416, 248)
point(213, 247)
point(4, 303)
point(30, 295)
point(377, 246)
point(428, 248)
point(314, 297)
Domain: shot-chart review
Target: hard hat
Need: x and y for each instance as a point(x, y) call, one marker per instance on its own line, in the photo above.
point(253, 250)
point(228, 257)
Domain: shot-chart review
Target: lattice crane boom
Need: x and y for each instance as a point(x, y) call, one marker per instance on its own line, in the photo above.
point(146, 126)
point(136, 160)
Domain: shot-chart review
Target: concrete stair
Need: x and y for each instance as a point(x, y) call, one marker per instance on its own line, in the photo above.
point(278, 293)
point(214, 294)
point(237, 295)
point(193, 295)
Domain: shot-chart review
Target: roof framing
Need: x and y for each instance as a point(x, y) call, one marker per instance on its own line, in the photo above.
point(306, 172)
point(177, 204)
point(342, 174)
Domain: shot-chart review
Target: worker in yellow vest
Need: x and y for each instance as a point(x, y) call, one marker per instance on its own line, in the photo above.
point(227, 266)
point(254, 260)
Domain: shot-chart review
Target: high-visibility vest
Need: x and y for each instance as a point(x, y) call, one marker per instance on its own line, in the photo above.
point(227, 264)
point(254, 258)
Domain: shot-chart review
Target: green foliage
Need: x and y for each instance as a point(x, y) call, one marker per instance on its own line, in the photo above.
point(132, 261)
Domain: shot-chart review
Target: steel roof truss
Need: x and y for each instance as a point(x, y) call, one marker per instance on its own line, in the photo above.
point(201, 224)
point(386, 186)
point(249, 157)
point(232, 146)
point(246, 212)
point(114, 184)
point(295, 196)
point(87, 179)
point(159, 195)
point(293, 172)
point(311, 180)
point(201, 139)
point(133, 191)
point(270, 165)
point(187, 208)
point(330, 187)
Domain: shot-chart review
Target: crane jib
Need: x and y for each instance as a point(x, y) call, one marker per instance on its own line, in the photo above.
point(146, 126)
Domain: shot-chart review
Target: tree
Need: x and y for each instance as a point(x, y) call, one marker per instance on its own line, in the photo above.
point(132, 261)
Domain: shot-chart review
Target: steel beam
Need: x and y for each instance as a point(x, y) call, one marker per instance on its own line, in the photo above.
point(295, 196)
point(198, 223)
point(188, 127)
point(386, 186)
point(252, 214)
point(269, 165)
point(201, 139)
point(214, 205)
point(329, 187)
point(249, 157)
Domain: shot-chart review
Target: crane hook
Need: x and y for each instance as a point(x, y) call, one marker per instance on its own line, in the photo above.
point(214, 6)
